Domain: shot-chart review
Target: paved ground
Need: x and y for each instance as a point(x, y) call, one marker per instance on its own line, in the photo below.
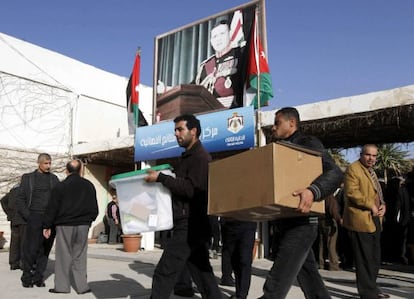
point(113, 273)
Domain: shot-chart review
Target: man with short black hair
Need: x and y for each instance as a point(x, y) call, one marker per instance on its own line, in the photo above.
point(17, 228)
point(191, 232)
point(294, 256)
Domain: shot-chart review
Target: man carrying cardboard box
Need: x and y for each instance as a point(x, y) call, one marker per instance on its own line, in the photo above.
point(294, 257)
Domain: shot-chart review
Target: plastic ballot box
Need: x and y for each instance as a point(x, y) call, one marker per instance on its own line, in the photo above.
point(143, 206)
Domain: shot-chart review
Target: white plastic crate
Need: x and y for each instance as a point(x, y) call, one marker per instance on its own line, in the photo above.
point(143, 206)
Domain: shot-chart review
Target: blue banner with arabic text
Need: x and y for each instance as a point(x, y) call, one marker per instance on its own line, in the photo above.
point(226, 130)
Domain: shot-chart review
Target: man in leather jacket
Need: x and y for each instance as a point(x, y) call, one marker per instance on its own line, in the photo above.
point(17, 228)
point(294, 257)
point(32, 200)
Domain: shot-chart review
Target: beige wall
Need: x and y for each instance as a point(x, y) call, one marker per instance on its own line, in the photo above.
point(97, 175)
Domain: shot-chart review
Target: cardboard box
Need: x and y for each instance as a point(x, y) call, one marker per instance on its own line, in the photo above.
point(143, 206)
point(257, 185)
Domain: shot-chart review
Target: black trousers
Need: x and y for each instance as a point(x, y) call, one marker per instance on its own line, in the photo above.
point(345, 248)
point(238, 242)
point(367, 256)
point(226, 267)
point(215, 232)
point(179, 252)
point(184, 282)
point(18, 233)
point(36, 250)
point(295, 260)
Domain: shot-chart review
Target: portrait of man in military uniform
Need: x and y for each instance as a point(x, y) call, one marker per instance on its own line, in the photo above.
point(212, 53)
point(219, 73)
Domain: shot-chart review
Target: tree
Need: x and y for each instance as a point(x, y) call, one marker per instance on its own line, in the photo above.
point(339, 158)
point(392, 161)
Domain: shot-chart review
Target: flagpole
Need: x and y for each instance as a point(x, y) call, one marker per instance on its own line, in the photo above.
point(256, 53)
point(136, 72)
point(136, 112)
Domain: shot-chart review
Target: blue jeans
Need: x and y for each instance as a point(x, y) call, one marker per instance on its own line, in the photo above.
point(295, 260)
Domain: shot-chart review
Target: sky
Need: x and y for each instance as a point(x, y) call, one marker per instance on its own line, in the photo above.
point(317, 50)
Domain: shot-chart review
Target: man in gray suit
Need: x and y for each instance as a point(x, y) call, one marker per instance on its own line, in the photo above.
point(72, 209)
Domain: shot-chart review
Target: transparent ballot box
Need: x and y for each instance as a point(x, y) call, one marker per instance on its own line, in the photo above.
point(143, 206)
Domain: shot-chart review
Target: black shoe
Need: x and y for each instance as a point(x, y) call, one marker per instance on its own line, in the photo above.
point(229, 282)
point(27, 285)
point(403, 260)
point(54, 291)
point(14, 267)
point(184, 293)
point(39, 284)
point(85, 292)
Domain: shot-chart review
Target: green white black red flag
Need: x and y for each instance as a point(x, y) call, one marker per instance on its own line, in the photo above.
point(259, 79)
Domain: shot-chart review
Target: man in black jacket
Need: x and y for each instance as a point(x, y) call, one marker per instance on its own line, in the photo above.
point(191, 232)
point(72, 209)
point(32, 200)
point(294, 257)
point(17, 228)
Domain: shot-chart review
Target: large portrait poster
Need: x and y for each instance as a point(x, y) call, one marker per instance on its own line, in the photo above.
point(203, 66)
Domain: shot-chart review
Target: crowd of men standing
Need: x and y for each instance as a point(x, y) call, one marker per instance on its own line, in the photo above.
point(42, 208)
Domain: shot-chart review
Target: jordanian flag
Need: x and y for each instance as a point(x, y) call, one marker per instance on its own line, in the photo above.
point(135, 116)
point(260, 82)
point(134, 87)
